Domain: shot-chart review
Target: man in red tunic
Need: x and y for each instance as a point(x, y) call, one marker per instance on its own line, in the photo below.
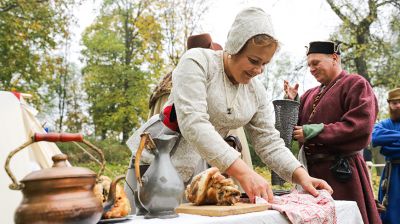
point(335, 123)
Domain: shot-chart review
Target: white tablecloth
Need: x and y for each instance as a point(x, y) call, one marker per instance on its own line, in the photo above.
point(346, 212)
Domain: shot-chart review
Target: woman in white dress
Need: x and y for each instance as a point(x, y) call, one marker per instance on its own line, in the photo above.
point(215, 92)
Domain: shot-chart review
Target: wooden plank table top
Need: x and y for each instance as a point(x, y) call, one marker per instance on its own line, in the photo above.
point(215, 210)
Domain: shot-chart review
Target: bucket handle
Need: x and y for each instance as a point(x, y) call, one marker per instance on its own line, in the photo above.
point(50, 137)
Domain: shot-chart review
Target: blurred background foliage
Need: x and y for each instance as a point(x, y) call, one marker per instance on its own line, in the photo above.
point(117, 156)
point(130, 45)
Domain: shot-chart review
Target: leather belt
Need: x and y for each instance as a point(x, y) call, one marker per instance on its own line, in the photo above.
point(394, 161)
point(311, 147)
point(322, 157)
point(385, 183)
point(234, 142)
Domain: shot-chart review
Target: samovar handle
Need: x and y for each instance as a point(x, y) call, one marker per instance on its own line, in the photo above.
point(145, 141)
point(15, 185)
point(49, 137)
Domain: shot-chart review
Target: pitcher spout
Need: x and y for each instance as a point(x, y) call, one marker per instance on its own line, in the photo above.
point(166, 142)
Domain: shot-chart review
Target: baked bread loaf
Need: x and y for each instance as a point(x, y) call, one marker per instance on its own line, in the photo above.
point(102, 188)
point(210, 187)
point(121, 207)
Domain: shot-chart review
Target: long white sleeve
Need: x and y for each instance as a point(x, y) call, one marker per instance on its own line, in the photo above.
point(267, 142)
point(190, 98)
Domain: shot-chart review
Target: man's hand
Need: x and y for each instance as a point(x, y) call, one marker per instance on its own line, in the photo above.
point(298, 134)
point(290, 91)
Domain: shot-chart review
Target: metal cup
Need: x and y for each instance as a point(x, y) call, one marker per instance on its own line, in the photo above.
point(286, 117)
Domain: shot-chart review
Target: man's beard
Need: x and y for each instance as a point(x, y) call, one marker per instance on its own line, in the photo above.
point(395, 114)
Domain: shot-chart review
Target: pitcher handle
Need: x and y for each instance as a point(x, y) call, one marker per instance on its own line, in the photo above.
point(145, 140)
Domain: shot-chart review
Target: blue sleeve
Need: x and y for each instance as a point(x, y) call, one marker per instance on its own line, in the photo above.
point(382, 136)
point(391, 151)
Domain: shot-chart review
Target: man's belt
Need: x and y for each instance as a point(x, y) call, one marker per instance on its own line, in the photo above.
point(312, 146)
point(322, 157)
point(394, 161)
point(385, 183)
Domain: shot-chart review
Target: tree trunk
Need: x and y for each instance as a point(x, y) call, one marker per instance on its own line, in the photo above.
point(361, 66)
point(103, 134)
point(125, 134)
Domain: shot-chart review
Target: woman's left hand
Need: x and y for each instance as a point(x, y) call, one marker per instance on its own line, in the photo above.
point(310, 184)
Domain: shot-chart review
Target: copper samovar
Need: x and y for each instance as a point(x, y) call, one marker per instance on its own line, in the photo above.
point(60, 194)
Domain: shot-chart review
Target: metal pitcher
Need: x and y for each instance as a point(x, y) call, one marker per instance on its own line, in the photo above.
point(161, 188)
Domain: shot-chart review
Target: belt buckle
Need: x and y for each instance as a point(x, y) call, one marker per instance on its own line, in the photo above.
point(309, 146)
point(313, 146)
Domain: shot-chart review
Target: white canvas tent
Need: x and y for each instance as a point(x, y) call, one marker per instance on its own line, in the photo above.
point(17, 124)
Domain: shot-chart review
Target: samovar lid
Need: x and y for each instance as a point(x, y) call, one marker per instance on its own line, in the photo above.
point(59, 170)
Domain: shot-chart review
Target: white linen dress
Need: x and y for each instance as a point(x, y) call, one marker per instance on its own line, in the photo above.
point(202, 97)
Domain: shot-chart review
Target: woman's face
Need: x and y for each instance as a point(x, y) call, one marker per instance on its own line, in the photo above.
point(250, 62)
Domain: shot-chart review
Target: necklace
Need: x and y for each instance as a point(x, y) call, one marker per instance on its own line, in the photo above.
point(229, 103)
point(323, 89)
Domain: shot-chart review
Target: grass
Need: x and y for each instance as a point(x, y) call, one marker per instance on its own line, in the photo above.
point(375, 182)
point(111, 170)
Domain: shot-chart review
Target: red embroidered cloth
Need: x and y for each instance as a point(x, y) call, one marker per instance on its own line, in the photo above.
point(301, 207)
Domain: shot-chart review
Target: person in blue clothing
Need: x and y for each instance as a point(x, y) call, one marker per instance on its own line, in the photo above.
point(387, 135)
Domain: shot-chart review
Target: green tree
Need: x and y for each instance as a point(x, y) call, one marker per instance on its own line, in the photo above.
point(180, 18)
point(391, 63)
point(60, 83)
point(28, 36)
point(123, 50)
point(283, 67)
point(70, 99)
point(371, 38)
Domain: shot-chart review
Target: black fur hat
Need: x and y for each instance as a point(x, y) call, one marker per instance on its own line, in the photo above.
point(323, 47)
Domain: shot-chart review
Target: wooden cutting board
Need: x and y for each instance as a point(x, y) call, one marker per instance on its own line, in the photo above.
point(214, 210)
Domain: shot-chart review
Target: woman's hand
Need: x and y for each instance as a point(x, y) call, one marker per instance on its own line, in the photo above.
point(252, 183)
point(255, 185)
point(308, 183)
point(290, 91)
